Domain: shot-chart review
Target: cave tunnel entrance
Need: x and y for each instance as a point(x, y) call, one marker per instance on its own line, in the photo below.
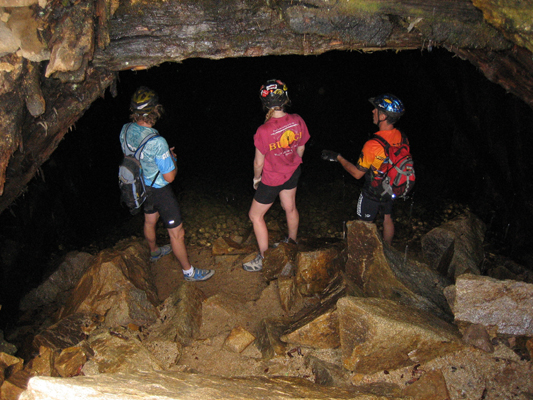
point(469, 138)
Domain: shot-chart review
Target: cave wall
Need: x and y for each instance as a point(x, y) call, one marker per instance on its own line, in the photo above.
point(57, 57)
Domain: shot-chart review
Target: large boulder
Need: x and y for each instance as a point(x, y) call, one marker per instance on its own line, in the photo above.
point(118, 350)
point(503, 307)
point(381, 271)
point(61, 281)
point(118, 285)
point(456, 247)
point(379, 334)
point(183, 386)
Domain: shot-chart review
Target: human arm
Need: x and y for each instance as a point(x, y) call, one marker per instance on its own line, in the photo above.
point(330, 155)
point(259, 162)
point(164, 159)
point(300, 150)
point(350, 168)
point(171, 175)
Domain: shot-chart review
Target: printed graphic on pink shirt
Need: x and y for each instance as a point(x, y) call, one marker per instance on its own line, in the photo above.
point(287, 138)
point(278, 139)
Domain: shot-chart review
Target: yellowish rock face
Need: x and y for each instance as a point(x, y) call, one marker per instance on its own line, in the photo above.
point(514, 18)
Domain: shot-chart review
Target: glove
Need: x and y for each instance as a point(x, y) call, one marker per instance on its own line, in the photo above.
point(256, 182)
point(329, 155)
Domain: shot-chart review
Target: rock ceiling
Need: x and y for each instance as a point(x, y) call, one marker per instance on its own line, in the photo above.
point(58, 56)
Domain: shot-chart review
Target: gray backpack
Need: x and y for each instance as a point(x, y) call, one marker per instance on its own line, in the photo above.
point(130, 177)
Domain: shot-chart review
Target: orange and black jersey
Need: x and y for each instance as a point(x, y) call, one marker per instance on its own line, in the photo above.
point(373, 154)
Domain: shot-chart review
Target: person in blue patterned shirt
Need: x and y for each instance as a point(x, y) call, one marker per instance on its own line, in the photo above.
point(158, 162)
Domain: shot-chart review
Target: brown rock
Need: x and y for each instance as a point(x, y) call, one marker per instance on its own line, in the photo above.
point(166, 352)
point(320, 333)
point(66, 333)
point(529, 347)
point(504, 305)
point(43, 364)
point(17, 3)
point(238, 340)
point(287, 292)
point(70, 361)
point(382, 272)
point(118, 350)
point(220, 314)
point(379, 334)
point(456, 247)
point(8, 365)
point(17, 383)
point(180, 316)
point(62, 280)
point(430, 386)
point(72, 42)
point(131, 307)
point(476, 335)
point(325, 304)
point(9, 43)
point(438, 248)
point(227, 246)
point(26, 28)
point(279, 260)
point(315, 269)
point(328, 374)
point(182, 386)
point(268, 338)
point(113, 278)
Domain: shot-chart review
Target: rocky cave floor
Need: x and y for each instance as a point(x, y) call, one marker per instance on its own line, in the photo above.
point(210, 214)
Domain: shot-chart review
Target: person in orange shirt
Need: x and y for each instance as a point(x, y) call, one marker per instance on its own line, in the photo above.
point(387, 111)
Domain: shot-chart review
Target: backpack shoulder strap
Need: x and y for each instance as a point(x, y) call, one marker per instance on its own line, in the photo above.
point(143, 143)
point(383, 142)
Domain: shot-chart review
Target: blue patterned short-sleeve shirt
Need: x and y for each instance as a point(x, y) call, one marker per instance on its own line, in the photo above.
point(155, 156)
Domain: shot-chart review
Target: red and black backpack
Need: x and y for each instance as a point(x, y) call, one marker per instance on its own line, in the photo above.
point(396, 176)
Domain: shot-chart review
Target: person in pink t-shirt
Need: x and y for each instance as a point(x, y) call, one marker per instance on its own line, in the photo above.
point(279, 147)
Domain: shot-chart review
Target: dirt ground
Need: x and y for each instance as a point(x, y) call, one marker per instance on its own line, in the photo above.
point(254, 299)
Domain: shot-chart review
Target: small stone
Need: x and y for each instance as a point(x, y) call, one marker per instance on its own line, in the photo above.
point(238, 340)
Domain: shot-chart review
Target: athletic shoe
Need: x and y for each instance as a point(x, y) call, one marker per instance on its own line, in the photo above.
point(200, 275)
point(163, 251)
point(255, 265)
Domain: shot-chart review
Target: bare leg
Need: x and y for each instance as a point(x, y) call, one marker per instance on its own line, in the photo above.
point(257, 216)
point(177, 240)
point(388, 229)
point(288, 202)
point(150, 221)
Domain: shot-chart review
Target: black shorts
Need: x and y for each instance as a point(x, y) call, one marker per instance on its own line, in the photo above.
point(164, 201)
point(367, 208)
point(267, 194)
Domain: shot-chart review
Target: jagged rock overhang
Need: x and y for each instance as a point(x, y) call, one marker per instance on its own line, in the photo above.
point(83, 45)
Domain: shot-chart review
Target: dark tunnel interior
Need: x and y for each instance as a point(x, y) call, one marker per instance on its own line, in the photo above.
point(469, 138)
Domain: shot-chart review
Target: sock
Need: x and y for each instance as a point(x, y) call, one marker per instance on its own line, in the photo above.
point(189, 272)
point(155, 253)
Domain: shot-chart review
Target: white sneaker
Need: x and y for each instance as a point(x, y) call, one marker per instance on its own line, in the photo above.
point(255, 265)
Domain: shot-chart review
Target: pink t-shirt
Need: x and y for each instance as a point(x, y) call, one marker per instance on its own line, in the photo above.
point(277, 139)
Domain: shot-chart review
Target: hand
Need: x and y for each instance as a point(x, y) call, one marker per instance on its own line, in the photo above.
point(174, 157)
point(256, 182)
point(329, 155)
